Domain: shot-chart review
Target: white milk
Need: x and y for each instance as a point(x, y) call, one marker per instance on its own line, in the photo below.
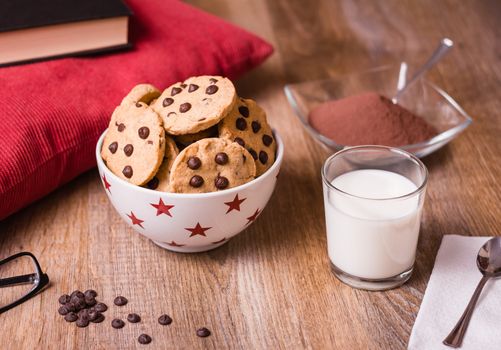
point(372, 238)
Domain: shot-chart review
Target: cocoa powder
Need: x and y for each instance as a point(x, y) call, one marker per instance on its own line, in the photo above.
point(369, 119)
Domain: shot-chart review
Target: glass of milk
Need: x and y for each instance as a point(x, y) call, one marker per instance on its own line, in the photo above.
point(373, 198)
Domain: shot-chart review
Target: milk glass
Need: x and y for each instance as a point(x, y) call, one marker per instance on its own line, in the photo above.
point(373, 197)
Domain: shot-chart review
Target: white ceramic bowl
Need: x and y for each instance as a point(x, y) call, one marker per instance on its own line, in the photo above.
point(190, 222)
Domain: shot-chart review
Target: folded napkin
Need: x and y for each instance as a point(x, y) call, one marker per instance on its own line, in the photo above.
point(453, 280)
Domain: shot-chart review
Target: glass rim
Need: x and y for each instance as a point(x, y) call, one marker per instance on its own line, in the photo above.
point(396, 150)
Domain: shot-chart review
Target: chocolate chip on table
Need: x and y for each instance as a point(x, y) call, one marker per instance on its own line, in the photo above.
point(196, 181)
point(90, 293)
point(253, 153)
point(165, 320)
point(113, 147)
point(64, 299)
point(128, 150)
point(244, 111)
point(117, 323)
point(184, 107)
point(63, 310)
point(221, 182)
point(79, 304)
point(221, 158)
point(90, 300)
point(71, 317)
point(203, 332)
point(133, 318)
point(193, 87)
point(241, 124)
point(255, 126)
point(83, 314)
point(175, 91)
point(77, 293)
point(82, 322)
point(127, 171)
point(101, 307)
point(93, 315)
point(267, 140)
point(144, 339)
point(239, 141)
point(167, 102)
point(211, 89)
point(194, 163)
point(120, 301)
point(143, 132)
point(70, 306)
point(121, 127)
point(263, 157)
point(153, 183)
point(98, 319)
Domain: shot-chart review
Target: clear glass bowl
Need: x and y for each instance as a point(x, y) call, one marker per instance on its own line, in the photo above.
point(422, 98)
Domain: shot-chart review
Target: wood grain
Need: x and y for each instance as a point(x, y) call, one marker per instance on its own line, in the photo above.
point(271, 287)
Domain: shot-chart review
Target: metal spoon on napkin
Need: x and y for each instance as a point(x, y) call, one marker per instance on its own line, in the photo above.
point(489, 264)
point(444, 46)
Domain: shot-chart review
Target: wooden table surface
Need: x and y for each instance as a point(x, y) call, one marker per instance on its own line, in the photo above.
point(271, 286)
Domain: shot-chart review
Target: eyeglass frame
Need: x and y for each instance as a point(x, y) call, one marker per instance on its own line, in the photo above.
point(39, 279)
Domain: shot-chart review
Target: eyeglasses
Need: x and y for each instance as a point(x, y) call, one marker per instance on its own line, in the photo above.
point(21, 278)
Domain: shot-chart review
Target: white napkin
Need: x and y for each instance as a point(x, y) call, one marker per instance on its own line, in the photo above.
point(452, 282)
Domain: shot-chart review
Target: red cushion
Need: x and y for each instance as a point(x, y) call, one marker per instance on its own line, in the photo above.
point(53, 112)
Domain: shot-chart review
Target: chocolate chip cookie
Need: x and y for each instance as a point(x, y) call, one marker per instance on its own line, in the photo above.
point(160, 181)
point(145, 93)
point(210, 165)
point(188, 139)
point(195, 104)
point(246, 125)
point(134, 145)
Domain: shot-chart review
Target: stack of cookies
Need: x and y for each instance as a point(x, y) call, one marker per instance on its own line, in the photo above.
point(194, 137)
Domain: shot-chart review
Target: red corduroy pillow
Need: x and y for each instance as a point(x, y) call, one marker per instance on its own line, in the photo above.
point(53, 112)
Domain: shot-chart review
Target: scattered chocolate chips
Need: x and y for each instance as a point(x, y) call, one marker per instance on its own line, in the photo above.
point(167, 101)
point(253, 153)
point(144, 339)
point(128, 150)
point(90, 300)
point(120, 301)
point(71, 317)
point(255, 126)
point(193, 87)
point(121, 127)
point(185, 107)
point(117, 323)
point(143, 132)
point(241, 124)
point(138, 104)
point(239, 141)
point(93, 315)
point(221, 158)
point(133, 318)
point(153, 183)
point(175, 91)
point(211, 89)
point(63, 310)
point(183, 85)
point(127, 171)
point(171, 113)
point(221, 182)
point(263, 157)
point(203, 332)
point(90, 293)
point(77, 294)
point(213, 80)
point(83, 314)
point(101, 307)
point(244, 111)
point(196, 181)
point(267, 140)
point(82, 322)
point(201, 119)
point(165, 320)
point(194, 163)
point(64, 299)
point(244, 157)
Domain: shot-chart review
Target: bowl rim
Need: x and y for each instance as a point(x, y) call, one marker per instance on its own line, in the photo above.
point(435, 140)
point(276, 164)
